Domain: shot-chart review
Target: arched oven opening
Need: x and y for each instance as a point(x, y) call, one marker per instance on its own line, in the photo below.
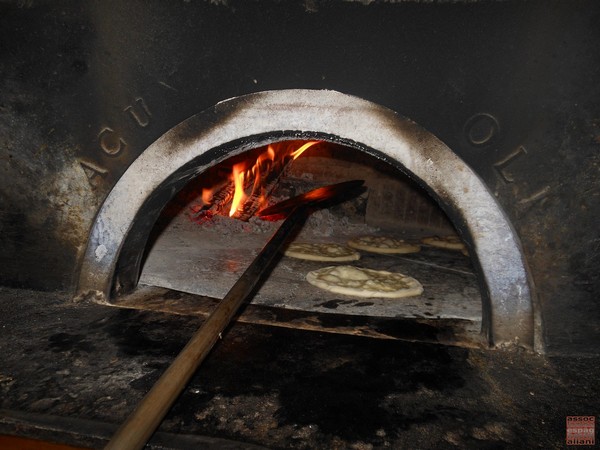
point(164, 238)
point(203, 241)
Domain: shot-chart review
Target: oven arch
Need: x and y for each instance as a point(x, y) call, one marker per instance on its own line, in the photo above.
point(120, 230)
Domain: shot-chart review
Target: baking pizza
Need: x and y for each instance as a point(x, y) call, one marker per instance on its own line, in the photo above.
point(383, 244)
point(449, 242)
point(360, 282)
point(321, 252)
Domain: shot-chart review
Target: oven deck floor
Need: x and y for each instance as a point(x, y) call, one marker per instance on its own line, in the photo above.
point(71, 372)
point(208, 260)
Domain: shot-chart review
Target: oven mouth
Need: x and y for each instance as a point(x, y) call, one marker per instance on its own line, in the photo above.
point(120, 231)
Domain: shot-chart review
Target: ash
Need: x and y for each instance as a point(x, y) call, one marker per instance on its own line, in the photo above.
point(320, 224)
point(228, 226)
point(324, 224)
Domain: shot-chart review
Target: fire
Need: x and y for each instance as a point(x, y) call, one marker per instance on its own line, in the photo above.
point(256, 179)
point(302, 149)
point(207, 195)
point(243, 188)
point(239, 196)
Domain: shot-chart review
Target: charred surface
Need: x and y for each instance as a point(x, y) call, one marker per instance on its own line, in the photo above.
point(457, 332)
point(76, 378)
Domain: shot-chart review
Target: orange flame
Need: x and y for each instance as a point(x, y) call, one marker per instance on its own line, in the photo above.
point(207, 195)
point(302, 149)
point(239, 195)
point(265, 162)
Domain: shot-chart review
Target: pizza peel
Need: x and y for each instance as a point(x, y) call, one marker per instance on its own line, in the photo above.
point(321, 197)
point(143, 421)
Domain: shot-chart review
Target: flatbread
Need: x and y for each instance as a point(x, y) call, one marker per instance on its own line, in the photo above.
point(321, 252)
point(360, 282)
point(383, 244)
point(449, 242)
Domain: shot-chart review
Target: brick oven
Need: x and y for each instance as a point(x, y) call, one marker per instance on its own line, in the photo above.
point(472, 118)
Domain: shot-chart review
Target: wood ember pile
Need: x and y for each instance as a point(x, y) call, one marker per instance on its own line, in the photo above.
point(258, 182)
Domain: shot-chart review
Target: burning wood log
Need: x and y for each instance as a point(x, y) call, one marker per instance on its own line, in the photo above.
point(248, 188)
point(262, 190)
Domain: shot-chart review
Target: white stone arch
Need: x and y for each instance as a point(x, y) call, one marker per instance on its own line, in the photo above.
point(239, 124)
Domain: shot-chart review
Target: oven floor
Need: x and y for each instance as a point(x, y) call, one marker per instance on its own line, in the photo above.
point(207, 260)
point(72, 372)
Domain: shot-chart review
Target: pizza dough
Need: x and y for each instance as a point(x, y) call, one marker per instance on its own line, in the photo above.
point(321, 252)
point(383, 244)
point(359, 282)
point(449, 242)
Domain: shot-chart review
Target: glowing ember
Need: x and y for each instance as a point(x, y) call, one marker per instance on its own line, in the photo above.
point(207, 195)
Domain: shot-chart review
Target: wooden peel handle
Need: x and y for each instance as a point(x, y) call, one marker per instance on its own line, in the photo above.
point(141, 424)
